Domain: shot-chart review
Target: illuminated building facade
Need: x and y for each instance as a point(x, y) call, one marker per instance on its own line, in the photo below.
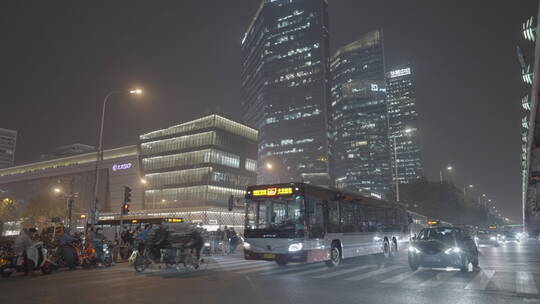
point(204, 160)
point(8, 141)
point(359, 110)
point(75, 174)
point(403, 125)
point(530, 133)
point(285, 88)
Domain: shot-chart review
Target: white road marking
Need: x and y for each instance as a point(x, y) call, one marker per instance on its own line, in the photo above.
point(264, 268)
point(373, 273)
point(481, 281)
point(318, 269)
point(340, 272)
point(287, 269)
point(525, 283)
point(398, 278)
point(438, 279)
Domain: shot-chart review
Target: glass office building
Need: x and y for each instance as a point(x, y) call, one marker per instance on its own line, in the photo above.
point(359, 114)
point(285, 90)
point(403, 125)
point(8, 140)
point(204, 160)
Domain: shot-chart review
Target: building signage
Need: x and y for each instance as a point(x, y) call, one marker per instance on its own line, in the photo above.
point(117, 167)
point(402, 72)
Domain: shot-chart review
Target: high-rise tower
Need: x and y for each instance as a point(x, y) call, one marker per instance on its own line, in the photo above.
point(359, 110)
point(403, 125)
point(285, 90)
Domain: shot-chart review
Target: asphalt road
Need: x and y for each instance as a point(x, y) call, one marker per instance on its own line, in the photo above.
point(508, 274)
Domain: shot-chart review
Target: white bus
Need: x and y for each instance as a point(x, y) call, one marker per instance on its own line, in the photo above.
point(298, 222)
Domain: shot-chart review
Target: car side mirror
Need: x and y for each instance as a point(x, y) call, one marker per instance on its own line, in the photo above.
point(414, 237)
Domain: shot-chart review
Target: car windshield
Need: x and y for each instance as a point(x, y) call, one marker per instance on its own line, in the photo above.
point(281, 214)
point(439, 234)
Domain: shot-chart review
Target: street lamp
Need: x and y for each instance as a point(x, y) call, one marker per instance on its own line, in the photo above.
point(480, 198)
point(465, 190)
point(448, 168)
point(70, 198)
point(99, 156)
point(269, 166)
point(144, 181)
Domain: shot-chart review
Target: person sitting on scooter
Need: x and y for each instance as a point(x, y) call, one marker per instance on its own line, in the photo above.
point(98, 240)
point(159, 241)
point(66, 251)
point(196, 242)
point(23, 242)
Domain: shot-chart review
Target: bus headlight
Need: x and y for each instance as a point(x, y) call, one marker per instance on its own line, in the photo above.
point(247, 246)
point(493, 238)
point(295, 247)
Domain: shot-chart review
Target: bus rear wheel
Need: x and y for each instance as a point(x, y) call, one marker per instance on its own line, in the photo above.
point(335, 256)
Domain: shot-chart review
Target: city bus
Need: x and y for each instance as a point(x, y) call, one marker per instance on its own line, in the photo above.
point(298, 222)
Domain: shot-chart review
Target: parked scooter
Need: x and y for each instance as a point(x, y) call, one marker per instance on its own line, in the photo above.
point(36, 255)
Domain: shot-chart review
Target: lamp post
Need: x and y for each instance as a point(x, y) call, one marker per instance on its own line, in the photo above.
point(448, 168)
point(99, 156)
point(465, 190)
point(480, 198)
point(70, 198)
point(396, 166)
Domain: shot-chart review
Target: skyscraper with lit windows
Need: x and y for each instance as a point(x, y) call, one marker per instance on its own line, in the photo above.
point(285, 90)
point(403, 125)
point(359, 115)
point(8, 140)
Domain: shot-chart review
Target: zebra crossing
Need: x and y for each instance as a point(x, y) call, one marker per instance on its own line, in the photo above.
point(398, 275)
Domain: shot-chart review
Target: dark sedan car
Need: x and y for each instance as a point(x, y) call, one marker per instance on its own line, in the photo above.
point(487, 238)
point(438, 247)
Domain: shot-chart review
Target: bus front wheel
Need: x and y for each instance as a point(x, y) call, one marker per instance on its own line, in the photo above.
point(335, 256)
point(282, 261)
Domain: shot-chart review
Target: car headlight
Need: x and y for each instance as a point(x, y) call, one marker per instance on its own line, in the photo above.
point(295, 247)
point(207, 244)
point(452, 250)
point(413, 249)
point(493, 238)
point(247, 246)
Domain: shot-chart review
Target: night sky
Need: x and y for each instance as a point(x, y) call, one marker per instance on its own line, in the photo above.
point(60, 58)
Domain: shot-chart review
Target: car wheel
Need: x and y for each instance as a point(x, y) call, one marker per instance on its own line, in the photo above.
point(413, 264)
point(335, 256)
point(465, 264)
point(386, 249)
point(393, 248)
point(6, 274)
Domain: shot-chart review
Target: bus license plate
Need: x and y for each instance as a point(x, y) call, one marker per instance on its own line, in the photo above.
point(269, 256)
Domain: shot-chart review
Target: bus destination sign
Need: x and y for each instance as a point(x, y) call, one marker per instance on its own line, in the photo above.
point(273, 191)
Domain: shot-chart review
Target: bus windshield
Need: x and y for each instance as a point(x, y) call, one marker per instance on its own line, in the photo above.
point(275, 213)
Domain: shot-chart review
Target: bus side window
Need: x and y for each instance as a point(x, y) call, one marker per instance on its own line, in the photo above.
point(359, 219)
point(315, 210)
point(347, 217)
point(333, 218)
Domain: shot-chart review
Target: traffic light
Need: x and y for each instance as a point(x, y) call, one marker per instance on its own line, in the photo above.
point(125, 208)
point(127, 194)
